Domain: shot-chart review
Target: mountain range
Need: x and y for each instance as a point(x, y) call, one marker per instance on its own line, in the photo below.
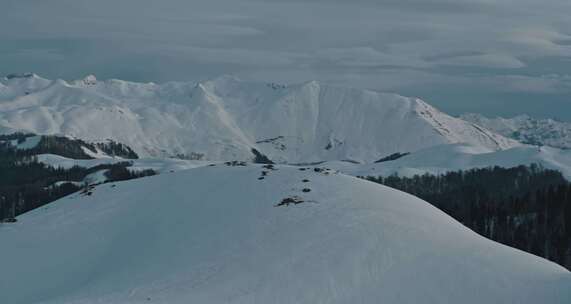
point(523, 128)
point(230, 119)
point(200, 223)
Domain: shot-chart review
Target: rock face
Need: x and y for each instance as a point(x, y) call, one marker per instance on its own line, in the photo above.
point(225, 119)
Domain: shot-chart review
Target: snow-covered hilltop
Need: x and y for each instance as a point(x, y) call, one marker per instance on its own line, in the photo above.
point(283, 236)
point(544, 132)
point(227, 118)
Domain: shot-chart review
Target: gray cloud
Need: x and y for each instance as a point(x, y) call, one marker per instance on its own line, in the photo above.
point(446, 51)
point(544, 84)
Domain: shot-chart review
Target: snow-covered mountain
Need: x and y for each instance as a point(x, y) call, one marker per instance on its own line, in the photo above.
point(544, 132)
point(283, 236)
point(226, 118)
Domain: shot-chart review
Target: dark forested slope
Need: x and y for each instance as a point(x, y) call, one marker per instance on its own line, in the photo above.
point(524, 207)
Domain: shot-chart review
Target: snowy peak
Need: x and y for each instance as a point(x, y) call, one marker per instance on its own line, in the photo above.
point(226, 118)
point(225, 81)
point(89, 80)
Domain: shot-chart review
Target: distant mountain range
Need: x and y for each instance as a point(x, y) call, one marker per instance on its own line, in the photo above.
point(229, 119)
point(542, 132)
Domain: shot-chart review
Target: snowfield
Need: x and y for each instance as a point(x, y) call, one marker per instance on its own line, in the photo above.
point(160, 165)
point(455, 157)
point(216, 234)
point(435, 160)
point(225, 118)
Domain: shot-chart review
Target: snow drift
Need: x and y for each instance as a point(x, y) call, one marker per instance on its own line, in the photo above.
point(217, 235)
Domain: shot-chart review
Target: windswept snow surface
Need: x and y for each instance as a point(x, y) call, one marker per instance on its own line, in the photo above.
point(215, 235)
point(224, 118)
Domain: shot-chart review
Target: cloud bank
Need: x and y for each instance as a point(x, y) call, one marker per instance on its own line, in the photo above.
point(504, 55)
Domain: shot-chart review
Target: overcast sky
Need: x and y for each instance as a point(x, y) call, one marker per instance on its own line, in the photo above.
point(498, 57)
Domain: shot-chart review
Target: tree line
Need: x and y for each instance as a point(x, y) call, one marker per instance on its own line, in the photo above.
point(526, 207)
point(26, 183)
point(64, 146)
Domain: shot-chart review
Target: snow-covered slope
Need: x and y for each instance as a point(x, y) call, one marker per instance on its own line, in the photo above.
point(523, 128)
point(445, 158)
point(216, 235)
point(225, 118)
point(433, 160)
point(160, 165)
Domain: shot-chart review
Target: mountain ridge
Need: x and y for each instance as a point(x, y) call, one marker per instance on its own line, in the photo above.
point(225, 118)
point(542, 132)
